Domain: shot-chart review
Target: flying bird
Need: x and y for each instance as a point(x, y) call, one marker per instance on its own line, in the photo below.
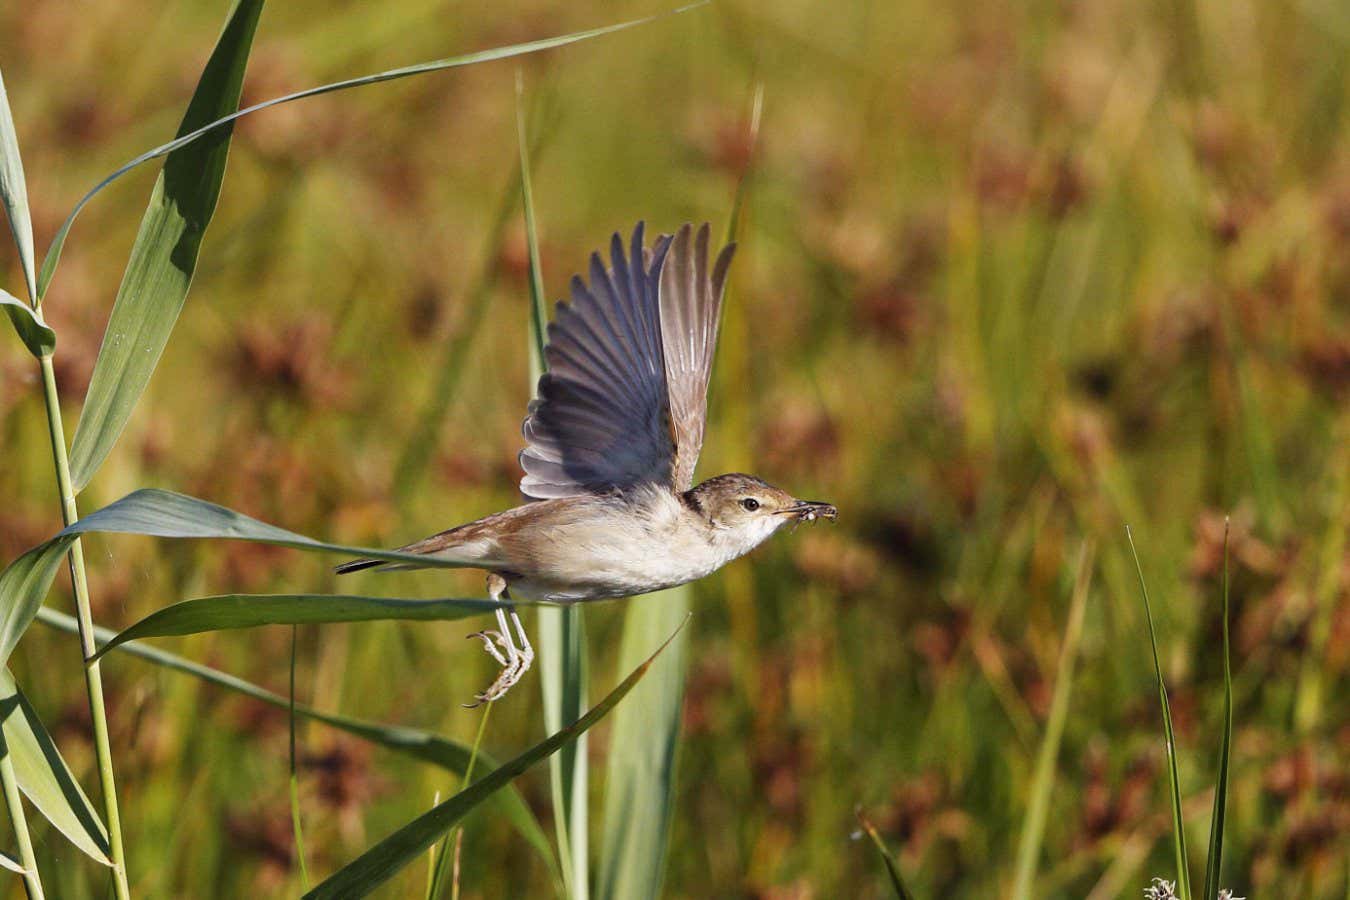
point(612, 438)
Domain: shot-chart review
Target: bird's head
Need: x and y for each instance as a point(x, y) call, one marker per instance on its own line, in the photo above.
point(744, 510)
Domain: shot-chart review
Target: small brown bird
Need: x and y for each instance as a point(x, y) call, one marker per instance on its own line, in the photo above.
point(612, 437)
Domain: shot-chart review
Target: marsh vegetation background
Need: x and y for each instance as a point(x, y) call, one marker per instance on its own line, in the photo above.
point(1011, 276)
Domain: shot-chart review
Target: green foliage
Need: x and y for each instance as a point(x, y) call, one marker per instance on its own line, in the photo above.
point(382, 861)
point(43, 775)
point(164, 257)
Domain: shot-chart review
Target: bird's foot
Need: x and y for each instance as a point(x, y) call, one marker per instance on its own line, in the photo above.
point(488, 637)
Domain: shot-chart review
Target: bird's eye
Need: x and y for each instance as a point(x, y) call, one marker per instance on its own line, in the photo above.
point(750, 504)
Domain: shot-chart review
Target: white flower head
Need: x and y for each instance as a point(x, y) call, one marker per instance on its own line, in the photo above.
point(1161, 890)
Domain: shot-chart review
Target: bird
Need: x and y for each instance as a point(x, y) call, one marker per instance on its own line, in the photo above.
point(612, 438)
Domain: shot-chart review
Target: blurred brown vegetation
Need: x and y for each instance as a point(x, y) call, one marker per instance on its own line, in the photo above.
point(1012, 275)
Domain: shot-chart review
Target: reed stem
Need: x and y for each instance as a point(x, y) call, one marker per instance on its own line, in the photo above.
point(32, 884)
point(92, 676)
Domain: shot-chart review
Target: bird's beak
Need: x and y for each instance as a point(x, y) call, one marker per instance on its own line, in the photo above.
point(810, 510)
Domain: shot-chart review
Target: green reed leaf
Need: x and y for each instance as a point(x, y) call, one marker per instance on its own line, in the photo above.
point(164, 256)
point(1033, 826)
point(43, 775)
point(380, 863)
point(33, 330)
point(902, 891)
point(1214, 859)
point(25, 582)
point(1173, 777)
point(229, 611)
point(563, 675)
point(14, 193)
point(640, 772)
point(415, 743)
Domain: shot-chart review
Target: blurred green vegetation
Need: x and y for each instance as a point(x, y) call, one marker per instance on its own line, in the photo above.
point(1011, 276)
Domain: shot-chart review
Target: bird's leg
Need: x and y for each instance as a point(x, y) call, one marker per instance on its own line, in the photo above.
point(514, 662)
point(526, 651)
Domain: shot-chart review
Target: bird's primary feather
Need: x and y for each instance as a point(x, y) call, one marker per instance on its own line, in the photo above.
point(625, 399)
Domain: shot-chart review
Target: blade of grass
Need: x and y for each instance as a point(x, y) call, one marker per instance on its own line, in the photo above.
point(1174, 779)
point(44, 777)
point(32, 883)
point(228, 611)
point(164, 256)
point(640, 772)
point(295, 782)
point(14, 194)
point(25, 582)
point(1214, 860)
point(562, 630)
point(33, 330)
point(434, 889)
point(413, 742)
point(58, 242)
point(1033, 826)
point(380, 863)
point(898, 885)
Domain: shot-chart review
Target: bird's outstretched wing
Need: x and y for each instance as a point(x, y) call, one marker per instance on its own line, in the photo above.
point(691, 306)
point(599, 417)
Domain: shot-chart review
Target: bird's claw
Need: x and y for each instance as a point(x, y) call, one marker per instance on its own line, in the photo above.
point(514, 663)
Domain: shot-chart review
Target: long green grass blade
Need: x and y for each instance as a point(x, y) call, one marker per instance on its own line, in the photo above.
point(640, 772)
point(33, 330)
point(24, 583)
point(902, 891)
point(1033, 826)
point(44, 777)
point(413, 742)
point(54, 251)
point(1173, 777)
point(14, 193)
point(563, 675)
point(228, 611)
point(380, 863)
point(164, 256)
point(1214, 860)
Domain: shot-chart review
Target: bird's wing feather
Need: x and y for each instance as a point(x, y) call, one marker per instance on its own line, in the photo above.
point(691, 305)
point(599, 419)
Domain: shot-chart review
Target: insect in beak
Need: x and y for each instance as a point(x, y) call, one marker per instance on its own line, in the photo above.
point(810, 510)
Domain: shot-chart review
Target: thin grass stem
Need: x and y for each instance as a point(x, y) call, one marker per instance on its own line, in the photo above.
point(93, 677)
point(438, 876)
point(295, 783)
point(32, 882)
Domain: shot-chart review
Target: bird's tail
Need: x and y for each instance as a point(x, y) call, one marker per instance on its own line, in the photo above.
point(456, 546)
point(356, 565)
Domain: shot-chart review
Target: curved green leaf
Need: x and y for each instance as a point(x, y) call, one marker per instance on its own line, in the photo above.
point(14, 192)
point(24, 583)
point(381, 862)
point(1214, 860)
point(1170, 742)
point(413, 742)
point(451, 62)
point(640, 772)
point(35, 333)
point(164, 257)
point(227, 611)
point(43, 775)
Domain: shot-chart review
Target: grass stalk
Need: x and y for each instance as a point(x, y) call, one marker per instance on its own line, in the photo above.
point(438, 868)
point(32, 883)
point(92, 676)
point(1033, 829)
point(295, 782)
point(1214, 860)
point(1169, 740)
